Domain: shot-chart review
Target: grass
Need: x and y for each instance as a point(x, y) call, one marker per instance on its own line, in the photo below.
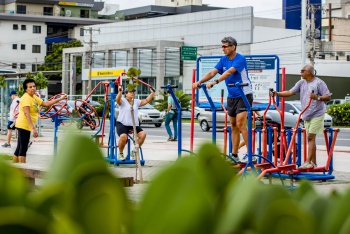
point(5, 156)
point(189, 121)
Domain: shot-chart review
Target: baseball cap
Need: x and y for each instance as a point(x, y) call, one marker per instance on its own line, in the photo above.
point(12, 93)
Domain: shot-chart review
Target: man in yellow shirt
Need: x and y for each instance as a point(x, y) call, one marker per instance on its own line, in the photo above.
point(28, 115)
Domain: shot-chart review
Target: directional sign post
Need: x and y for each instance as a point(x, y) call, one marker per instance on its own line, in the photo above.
point(188, 53)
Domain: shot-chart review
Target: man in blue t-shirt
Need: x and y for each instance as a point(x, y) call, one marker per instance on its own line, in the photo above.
point(232, 69)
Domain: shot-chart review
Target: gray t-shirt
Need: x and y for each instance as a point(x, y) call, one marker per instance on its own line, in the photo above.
point(316, 108)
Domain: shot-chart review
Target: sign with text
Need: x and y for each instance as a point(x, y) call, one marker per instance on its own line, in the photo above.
point(102, 74)
point(263, 72)
point(188, 53)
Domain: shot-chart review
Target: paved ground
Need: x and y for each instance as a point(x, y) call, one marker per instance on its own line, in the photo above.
point(159, 154)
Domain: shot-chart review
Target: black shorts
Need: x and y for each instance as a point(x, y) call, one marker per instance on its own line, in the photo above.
point(235, 104)
point(9, 123)
point(126, 129)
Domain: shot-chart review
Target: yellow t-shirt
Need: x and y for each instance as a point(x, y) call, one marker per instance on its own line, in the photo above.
point(34, 104)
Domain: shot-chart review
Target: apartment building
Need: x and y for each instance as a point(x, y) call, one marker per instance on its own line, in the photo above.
point(336, 30)
point(31, 26)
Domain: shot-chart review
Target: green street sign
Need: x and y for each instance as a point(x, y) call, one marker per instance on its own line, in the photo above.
point(188, 53)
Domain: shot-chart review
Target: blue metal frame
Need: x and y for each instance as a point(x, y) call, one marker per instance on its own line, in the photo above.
point(112, 142)
point(213, 112)
point(179, 122)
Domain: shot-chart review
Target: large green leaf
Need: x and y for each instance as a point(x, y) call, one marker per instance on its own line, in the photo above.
point(13, 186)
point(177, 201)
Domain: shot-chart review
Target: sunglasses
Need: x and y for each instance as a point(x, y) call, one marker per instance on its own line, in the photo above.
point(301, 71)
point(225, 46)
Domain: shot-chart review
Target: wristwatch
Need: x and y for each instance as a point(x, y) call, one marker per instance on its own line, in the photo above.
point(318, 98)
point(216, 81)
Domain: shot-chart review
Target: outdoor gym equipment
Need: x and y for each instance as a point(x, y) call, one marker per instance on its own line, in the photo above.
point(287, 167)
point(112, 147)
point(57, 107)
point(179, 119)
point(213, 109)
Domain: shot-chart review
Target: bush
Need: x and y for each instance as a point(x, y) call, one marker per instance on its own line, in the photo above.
point(184, 99)
point(340, 114)
point(194, 195)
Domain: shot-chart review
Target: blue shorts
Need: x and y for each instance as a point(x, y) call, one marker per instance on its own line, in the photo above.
point(9, 123)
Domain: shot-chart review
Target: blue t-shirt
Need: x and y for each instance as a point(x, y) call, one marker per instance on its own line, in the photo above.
point(240, 75)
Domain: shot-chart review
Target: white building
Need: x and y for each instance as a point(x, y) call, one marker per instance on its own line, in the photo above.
point(30, 27)
point(148, 43)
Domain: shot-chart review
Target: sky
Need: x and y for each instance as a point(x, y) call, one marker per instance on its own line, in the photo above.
point(265, 8)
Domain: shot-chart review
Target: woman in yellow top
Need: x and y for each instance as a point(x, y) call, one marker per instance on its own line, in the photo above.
point(28, 115)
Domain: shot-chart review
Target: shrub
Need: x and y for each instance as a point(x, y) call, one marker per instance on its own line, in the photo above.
point(194, 195)
point(184, 99)
point(340, 114)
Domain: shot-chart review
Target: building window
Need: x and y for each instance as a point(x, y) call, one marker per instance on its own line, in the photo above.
point(49, 48)
point(82, 32)
point(36, 29)
point(15, 27)
point(14, 46)
point(36, 49)
point(21, 9)
point(14, 65)
point(22, 66)
point(84, 14)
point(48, 10)
point(23, 46)
point(23, 27)
point(33, 67)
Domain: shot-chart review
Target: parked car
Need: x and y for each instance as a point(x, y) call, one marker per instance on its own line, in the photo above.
point(292, 110)
point(81, 123)
point(336, 102)
point(187, 114)
point(147, 115)
point(205, 120)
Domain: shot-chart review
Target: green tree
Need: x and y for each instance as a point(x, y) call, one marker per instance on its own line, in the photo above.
point(2, 82)
point(184, 99)
point(41, 82)
point(53, 61)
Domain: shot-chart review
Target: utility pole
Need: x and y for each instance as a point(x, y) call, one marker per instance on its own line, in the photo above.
point(312, 35)
point(312, 38)
point(330, 22)
point(90, 30)
point(303, 32)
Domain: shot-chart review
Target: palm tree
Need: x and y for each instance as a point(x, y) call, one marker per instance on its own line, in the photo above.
point(184, 99)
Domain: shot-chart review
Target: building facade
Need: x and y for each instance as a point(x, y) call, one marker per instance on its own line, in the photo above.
point(32, 26)
point(146, 43)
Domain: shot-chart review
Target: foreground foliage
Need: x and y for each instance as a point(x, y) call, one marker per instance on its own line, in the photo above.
point(194, 195)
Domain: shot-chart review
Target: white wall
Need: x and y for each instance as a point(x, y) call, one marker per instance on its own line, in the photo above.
point(26, 37)
point(175, 3)
point(196, 29)
point(206, 29)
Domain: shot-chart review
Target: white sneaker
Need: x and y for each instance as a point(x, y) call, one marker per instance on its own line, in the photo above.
point(121, 156)
point(245, 160)
point(307, 165)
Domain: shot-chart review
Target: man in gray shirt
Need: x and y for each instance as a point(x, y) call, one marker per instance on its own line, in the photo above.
point(314, 116)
